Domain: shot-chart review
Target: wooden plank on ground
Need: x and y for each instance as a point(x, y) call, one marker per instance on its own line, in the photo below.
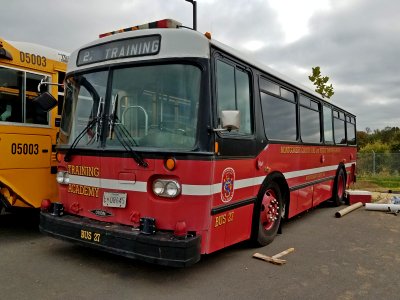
point(275, 259)
point(279, 255)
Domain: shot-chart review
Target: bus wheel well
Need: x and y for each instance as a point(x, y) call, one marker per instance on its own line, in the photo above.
point(284, 187)
point(269, 209)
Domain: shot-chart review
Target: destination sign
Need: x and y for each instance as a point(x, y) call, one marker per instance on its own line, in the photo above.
point(138, 46)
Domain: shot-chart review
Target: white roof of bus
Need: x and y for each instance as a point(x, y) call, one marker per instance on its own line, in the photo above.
point(48, 52)
point(259, 65)
point(182, 43)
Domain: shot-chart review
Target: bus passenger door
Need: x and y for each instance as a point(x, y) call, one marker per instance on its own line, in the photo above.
point(232, 207)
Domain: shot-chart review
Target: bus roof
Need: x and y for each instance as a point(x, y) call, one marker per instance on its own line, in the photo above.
point(37, 49)
point(180, 43)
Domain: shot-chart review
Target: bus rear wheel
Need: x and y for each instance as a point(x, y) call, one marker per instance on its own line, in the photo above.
point(267, 214)
point(339, 188)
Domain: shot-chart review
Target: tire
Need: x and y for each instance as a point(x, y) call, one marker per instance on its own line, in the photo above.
point(339, 188)
point(267, 214)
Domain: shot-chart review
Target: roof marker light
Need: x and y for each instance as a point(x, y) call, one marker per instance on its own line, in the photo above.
point(166, 23)
point(4, 53)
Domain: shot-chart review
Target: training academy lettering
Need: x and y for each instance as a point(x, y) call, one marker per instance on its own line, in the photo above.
point(84, 171)
point(84, 190)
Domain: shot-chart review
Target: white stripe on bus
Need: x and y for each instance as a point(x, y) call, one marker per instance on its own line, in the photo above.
point(189, 189)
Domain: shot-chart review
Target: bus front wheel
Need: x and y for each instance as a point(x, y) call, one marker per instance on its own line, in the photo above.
point(267, 214)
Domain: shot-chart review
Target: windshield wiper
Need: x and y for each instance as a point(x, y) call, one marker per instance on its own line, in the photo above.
point(123, 135)
point(88, 127)
point(98, 120)
point(127, 141)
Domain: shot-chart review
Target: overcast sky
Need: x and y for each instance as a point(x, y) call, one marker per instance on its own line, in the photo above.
point(355, 42)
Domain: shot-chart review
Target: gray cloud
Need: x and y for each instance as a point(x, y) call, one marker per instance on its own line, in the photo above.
point(355, 42)
point(357, 47)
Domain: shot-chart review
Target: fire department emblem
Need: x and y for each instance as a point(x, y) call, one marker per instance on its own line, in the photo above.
point(228, 179)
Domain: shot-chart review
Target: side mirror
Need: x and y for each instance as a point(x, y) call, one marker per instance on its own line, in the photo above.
point(230, 120)
point(45, 101)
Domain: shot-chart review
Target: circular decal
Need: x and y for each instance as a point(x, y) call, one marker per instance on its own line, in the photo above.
point(228, 180)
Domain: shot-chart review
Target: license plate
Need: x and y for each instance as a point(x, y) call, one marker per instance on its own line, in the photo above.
point(114, 199)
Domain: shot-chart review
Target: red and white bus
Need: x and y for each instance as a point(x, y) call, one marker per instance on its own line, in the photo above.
point(174, 145)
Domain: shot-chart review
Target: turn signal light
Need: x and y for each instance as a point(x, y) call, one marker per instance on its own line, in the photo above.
point(170, 164)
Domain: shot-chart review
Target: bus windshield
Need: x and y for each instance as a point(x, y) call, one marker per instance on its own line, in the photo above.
point(152, 106)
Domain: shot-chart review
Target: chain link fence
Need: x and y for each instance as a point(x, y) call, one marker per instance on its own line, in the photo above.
point(387, 164)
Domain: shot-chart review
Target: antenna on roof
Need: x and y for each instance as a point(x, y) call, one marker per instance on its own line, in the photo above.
point(194, 3)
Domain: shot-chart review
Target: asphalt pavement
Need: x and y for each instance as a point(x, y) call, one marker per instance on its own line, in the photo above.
point(353, 257)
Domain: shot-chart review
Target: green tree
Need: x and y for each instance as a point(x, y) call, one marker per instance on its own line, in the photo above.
point(321, 83)
point(377, 147)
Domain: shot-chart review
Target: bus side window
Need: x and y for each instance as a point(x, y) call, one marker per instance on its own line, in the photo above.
point(233, 93)
point(11, 84)
point(309, 120)
point(339, 127)
point(351, 130)
point(279, 116)
point(328, 129)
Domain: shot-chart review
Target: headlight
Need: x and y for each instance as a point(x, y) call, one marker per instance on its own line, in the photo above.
point(62, 177)
point(66, 178)
point(172, 189)
point(158, 187)
point(166, 188)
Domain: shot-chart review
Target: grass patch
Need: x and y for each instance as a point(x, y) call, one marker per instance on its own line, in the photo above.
point(378, 183)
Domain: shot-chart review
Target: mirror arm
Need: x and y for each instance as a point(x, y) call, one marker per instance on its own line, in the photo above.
point(220, 129)
point(48, 83)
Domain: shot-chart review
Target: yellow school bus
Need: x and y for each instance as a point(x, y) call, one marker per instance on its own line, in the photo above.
point(28, 131)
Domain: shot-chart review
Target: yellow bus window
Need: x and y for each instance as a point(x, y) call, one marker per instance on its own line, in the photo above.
point(11, 95)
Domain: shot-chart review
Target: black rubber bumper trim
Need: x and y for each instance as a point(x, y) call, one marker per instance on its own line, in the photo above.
point(161, 248)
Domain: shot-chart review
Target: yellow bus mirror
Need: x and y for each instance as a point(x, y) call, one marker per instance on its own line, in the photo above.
point(45, 101)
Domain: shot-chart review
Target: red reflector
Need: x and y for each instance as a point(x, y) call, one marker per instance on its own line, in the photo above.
point(180, 229)
point(162, 23)
point(105, 34)
point(45, 205)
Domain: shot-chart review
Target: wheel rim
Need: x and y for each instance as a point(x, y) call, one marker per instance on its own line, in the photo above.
point(269, 209)
point(340, 189)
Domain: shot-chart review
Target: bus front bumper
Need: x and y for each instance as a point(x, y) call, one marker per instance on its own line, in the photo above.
point(160, 248)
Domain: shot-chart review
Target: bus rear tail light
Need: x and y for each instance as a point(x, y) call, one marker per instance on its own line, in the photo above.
point(168, 188)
